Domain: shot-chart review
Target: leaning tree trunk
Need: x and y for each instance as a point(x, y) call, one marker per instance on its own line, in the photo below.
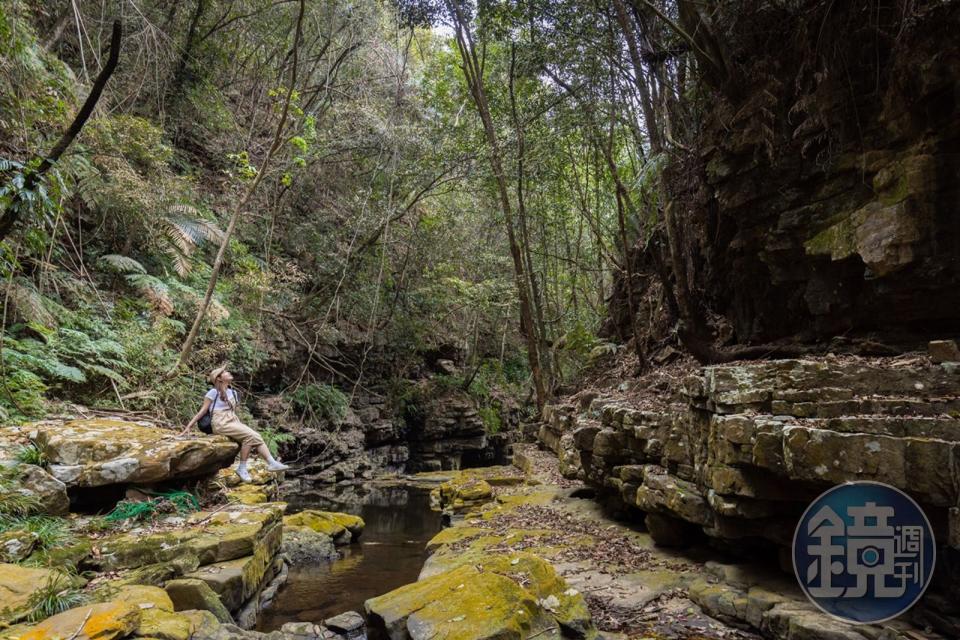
point(15, 208)
point(235, 216)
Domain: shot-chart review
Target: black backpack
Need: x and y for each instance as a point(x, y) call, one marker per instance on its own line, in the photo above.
point(206, 422)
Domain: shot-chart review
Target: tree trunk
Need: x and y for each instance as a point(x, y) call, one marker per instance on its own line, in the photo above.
point(626, 25)
point(472, 72)
point(535, 294)
point(278, 139)
point(12, 213)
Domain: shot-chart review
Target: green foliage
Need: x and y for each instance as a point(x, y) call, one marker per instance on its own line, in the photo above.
point(49, 532)
point(31, 454)
point(316, 403)
point(273, 438)
point(21, 395)
point(65, 356)
point(58, 594)
point(491, 419)
point(165, 503)
point(31, 197)
point(14, 503)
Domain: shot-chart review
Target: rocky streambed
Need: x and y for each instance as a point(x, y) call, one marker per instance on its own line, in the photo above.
point(660, 511)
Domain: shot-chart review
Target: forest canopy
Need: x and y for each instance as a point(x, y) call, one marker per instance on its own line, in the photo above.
point(322, 192)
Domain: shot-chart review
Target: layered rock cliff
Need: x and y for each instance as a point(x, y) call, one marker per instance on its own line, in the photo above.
point(736, 452)
point(820, 194)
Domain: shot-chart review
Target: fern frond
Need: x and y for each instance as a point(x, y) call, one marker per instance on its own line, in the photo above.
point(178, 246)
point(116, 263)
point(28, 305)
point(103, 371)
point(199, 230)
point(179, 237)
point(154, 290)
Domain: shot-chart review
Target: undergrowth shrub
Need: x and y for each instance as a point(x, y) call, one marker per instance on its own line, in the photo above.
point(315, 403)
point(274, 438)
point(59, 593)
point(31, 454)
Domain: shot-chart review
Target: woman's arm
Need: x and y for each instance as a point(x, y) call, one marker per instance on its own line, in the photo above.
point(203, 410)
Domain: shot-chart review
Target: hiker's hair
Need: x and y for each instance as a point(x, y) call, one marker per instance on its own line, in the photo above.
point(221, 389)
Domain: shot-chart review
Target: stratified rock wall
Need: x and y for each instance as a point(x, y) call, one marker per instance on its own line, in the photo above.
point(739, 451)
point(820, 195)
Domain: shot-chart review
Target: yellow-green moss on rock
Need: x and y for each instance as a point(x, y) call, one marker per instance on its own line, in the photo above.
point(164, 625)
point(104, 621)
point(512, 596)
point(216, 537)
point(461, 493)
point(341, 527)
point(19, 583)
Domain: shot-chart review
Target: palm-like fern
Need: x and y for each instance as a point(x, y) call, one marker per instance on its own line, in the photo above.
point(182, 230)
point(120, 264)
point(153, 289)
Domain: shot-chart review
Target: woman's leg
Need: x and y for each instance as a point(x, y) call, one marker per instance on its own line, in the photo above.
point(272, 462)
point(245, 451)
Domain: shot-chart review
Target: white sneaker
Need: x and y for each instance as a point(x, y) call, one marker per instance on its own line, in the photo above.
point(244, 475)
point(277, 466)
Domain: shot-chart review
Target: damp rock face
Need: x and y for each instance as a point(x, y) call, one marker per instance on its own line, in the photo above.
point(97, 453)
point(49, 492)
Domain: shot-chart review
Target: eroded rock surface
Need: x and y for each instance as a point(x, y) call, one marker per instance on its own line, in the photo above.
point(509, 596)
point(95, 453)
point(311, 536)
point(737, 452)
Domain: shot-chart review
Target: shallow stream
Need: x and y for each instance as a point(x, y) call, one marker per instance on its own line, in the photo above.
point(390, 554)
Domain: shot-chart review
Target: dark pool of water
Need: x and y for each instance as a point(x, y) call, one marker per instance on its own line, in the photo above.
point(390, 554)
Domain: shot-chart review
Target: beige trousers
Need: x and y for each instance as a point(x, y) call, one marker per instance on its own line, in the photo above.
point(226, 423)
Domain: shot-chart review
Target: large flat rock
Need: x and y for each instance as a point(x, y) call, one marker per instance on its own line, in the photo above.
point(94, 453)
point(209, 537)
point(485, 598)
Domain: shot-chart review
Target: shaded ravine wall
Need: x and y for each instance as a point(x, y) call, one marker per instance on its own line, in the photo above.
point(821, 197)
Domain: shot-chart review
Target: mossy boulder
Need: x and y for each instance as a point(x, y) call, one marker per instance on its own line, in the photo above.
point(303, 545)
point(461, 493)
point(164, 625)
point(450, 549)
point(34, 481)
point(104, 621)
point(193, 594)
point(204, 625)
point(19, 583)
point(209, 538)
point(236, 580)
point(94, 453)
point(16, 545)
point(68, 555)
point(144, 597)
point(248, 494)
point(341, 527)
point(485, 597)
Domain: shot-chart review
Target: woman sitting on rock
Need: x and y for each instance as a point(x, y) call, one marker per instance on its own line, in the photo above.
point(226, 423)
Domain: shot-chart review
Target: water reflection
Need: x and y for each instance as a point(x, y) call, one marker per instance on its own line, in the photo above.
point(398, 524)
